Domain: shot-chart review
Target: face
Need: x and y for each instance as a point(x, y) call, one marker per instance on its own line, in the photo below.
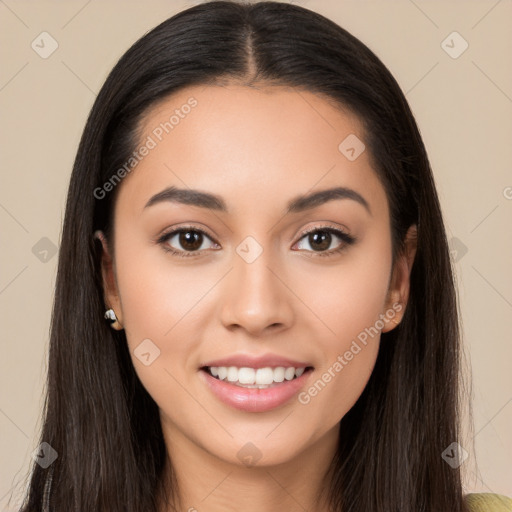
point(264, 275)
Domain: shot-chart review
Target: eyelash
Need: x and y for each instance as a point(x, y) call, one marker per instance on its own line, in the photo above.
point(347, 239)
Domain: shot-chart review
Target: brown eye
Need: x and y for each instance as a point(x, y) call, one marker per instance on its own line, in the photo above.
point(185, 241)
point(190, 240)
point(320, 241)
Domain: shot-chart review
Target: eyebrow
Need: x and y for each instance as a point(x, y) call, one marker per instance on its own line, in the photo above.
point(295, 205)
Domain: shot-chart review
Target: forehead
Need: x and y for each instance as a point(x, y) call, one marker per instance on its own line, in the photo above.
point(250, 145)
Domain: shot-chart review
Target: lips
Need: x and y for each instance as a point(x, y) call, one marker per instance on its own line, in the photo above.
point(255, 384)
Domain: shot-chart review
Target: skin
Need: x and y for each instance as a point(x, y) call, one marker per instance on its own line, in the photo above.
point(257, 148)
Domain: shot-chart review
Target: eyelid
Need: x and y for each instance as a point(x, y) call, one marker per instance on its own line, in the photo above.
point(176, 229)
point(335, 227)
point(342, 233)
point(171, 232)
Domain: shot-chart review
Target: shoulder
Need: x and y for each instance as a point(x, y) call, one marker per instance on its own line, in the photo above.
point(488, 502)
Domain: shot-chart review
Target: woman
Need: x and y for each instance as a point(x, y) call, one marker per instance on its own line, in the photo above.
point(254, 307)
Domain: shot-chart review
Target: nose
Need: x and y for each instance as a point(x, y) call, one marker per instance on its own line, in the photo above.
point(256, 297)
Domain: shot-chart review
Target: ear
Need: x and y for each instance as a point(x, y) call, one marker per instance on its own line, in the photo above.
point(398, 292)
point(110, 291)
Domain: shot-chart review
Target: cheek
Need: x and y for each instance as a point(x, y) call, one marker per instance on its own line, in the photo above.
point(161, 303)
point(349, 297)
point(351, 309)
point(159, 299)
point(156, 289)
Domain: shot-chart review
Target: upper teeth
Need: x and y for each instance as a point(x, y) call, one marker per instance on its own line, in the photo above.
point(259, 376)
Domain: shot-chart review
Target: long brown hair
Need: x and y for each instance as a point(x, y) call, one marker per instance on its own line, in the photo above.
point(98, 417)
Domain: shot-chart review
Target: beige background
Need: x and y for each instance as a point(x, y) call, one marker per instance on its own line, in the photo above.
point(463, 107)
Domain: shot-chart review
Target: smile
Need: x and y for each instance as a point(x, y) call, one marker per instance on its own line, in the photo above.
point(255, 389)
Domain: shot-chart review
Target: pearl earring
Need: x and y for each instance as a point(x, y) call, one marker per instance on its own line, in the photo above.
point(110, 315)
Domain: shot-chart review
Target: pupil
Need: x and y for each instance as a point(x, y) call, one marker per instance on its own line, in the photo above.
point(190, 240)
point(320, 237)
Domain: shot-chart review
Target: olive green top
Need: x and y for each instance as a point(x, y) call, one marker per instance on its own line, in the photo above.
point(488, 502)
